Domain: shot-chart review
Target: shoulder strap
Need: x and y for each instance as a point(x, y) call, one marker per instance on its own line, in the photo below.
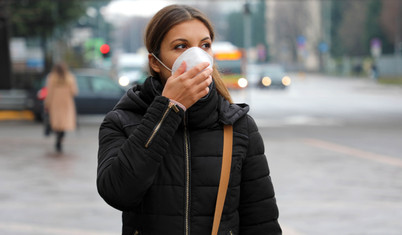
point(225, 175)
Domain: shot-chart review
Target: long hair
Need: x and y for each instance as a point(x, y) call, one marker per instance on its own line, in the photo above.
point(60, 70)
point(167, 18)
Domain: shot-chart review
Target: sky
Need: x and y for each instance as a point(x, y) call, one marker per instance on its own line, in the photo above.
point(128, 8)
point(118, 9)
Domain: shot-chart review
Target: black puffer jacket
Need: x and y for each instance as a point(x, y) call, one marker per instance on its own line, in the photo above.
point(161, 166)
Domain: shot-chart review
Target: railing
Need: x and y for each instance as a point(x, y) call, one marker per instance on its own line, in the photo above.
point(390, 66)
point(14, 100)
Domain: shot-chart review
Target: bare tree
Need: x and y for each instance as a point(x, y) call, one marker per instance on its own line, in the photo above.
point(391, 20)
point(291, 19)
point(352, 28)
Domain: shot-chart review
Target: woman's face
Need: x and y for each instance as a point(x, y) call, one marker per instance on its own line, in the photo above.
point(192, 33)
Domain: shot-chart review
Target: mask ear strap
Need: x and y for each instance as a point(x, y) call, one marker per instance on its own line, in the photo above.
point(160, 62)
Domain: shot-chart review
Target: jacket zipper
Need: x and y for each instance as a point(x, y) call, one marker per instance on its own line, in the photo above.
point(187, 225)
point(157, 127)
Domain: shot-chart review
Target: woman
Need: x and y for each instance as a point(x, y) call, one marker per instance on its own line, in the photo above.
point(160, 148)
point(59, 102)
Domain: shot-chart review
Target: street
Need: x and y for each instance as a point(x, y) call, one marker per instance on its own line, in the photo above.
point(334, 147)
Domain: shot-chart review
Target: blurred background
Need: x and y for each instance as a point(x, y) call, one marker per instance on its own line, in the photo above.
point(333, 37)
point(323, 79)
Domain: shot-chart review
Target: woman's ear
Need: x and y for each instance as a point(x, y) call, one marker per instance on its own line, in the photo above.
point(153, 63)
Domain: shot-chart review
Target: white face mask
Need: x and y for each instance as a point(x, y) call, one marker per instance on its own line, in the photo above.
point(193, 56)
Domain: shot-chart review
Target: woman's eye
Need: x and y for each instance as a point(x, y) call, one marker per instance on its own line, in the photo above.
point(206, 45)
point(180, 46)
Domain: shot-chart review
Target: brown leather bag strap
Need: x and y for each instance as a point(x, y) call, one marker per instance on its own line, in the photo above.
point(225, 175)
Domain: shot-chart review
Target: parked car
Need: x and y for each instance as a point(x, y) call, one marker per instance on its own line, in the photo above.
point(98, 93)
point(269, 76)
point(273, 75)
point(131, 69)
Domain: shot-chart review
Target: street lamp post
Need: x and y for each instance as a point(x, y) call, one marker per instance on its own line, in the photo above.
point(247, 31)
point(247, 39)
point(398, 41)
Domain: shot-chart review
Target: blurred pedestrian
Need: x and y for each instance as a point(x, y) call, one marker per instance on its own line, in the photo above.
point(374, 71)
point(59, 102)
point(160, 149)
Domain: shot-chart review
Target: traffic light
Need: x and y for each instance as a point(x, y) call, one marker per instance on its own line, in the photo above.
point(105, 50)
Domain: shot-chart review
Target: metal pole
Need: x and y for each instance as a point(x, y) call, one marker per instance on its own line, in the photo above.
point(247, 30)
point(328, 35)
point(247, 40)
point(398, 42)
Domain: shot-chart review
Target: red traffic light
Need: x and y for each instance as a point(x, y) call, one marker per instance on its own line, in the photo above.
point(104, 49)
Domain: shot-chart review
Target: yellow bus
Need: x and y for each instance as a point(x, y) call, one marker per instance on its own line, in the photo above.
point(229, 61)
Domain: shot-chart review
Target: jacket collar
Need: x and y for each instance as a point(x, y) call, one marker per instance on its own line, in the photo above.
point(205, 113)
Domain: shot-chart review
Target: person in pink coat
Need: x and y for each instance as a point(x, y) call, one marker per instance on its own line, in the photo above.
point(62, 87)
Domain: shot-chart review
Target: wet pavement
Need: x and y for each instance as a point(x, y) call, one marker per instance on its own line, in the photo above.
point(44, 192)
point(336, 169)
point(322, 186)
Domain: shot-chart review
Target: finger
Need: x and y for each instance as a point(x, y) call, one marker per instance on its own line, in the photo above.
point(197, 69)
point(209, 80)
point(203, 86)
point(203, 92)
point(201, 77)
point(181, 69)
point(204, 81)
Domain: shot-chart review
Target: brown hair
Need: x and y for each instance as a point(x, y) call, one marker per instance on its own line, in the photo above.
point(60, 70)
point(167, 18)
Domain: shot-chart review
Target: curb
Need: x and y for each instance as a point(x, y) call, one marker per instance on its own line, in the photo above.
point(6, 115)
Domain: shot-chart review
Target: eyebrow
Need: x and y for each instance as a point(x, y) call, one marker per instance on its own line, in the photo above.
point(185, 40)
point(206, 38)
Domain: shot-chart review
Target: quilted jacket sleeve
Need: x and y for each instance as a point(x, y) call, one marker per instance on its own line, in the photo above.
point(258, 209)
point(126, 167)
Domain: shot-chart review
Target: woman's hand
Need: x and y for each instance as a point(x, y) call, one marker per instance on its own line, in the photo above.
point(188, 87)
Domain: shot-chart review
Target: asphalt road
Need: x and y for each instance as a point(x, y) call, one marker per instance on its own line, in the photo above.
point(334, 147)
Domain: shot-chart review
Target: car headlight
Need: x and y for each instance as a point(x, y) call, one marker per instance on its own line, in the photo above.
point(286, 81)
point(266, 81)
point(242, 82)
point(124, 81)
